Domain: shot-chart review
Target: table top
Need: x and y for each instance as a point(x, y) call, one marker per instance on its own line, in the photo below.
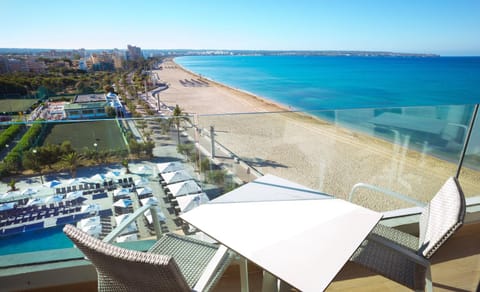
point(303, 239)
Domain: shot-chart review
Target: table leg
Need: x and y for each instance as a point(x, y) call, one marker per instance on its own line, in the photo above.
point(269, 283)
point(244, 274)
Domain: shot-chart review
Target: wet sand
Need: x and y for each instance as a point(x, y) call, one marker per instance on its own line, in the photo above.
point(304, 149)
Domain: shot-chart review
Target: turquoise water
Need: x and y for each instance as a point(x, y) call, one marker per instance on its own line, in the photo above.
point(316, 83)
point(319, 82)
point(42, 239)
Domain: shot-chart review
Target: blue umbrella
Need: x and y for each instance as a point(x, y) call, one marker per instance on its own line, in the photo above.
point(52, 184)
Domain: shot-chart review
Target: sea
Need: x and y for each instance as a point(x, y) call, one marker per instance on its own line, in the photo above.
point(350, 89)
point(310, 83)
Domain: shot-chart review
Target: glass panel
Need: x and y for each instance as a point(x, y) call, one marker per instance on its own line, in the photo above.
point(469, 175)
point(407, 150)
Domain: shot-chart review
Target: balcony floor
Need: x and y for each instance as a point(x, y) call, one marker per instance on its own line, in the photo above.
point(456, 267)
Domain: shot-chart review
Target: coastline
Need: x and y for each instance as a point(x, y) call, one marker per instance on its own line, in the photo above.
point(306, 149)
point(246, 94)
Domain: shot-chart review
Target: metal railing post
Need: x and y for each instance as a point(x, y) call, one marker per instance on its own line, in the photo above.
point(467, 140)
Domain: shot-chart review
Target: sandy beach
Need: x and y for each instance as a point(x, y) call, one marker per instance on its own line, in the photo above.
point(307, 150)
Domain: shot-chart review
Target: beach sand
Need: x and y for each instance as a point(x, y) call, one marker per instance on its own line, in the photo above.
point(307, 150)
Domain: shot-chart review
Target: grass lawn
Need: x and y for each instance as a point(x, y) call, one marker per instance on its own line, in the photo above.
point(16, 105)
point(106, 134)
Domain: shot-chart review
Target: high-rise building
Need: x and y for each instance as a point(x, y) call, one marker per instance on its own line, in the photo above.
point(134, 53)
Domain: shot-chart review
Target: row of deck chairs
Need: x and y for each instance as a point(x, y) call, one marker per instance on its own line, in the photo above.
point(126, 182)
point(87, 188)
point(39, 214)
point(19, 210)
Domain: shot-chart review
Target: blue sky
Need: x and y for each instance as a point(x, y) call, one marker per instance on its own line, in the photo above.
point(418, 26)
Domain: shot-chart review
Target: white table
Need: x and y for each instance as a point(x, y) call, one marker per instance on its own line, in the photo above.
point(304, 237)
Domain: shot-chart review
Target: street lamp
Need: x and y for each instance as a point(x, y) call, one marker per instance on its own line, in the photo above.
point(96, 147)
point(36, 164)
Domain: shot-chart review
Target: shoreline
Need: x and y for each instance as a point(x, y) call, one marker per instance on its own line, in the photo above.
point(307, 149)
point(281, 107)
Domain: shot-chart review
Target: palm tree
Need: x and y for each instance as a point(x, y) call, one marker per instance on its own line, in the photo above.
point(71, 160)
point(178, 116)
point(125, 164)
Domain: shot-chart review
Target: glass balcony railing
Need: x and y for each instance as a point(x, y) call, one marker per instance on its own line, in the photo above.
point(94, 172)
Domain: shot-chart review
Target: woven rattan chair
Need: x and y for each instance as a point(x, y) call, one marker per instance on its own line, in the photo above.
point(404, 258)
point(173, 263)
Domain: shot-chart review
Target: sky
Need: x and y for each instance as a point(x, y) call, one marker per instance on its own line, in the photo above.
point(445, 27)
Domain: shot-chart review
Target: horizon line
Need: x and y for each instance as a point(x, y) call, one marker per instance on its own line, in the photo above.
point(247, 50)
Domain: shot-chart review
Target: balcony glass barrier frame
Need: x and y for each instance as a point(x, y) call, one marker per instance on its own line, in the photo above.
point(408, 150)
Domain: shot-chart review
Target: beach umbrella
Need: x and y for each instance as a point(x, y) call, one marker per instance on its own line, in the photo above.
point(121, 192)
point(144, 191)
point(98, 177)
point(91, 208)
point(176, 176)
point(74, 195)
point(91, 225)
point(149, 201)
point(189, 202)
point(93, 230)
point(29, 192)
point(184, 188)
point(7, 206)
point(6, 196)
point(131, 227)
point(52, 183)
point(113, 174)
point(53, 199)
point(95, 220)
point(128, 237)
point(144, 169)
point(123, 203)
point(160, 215)
point(74, 181)
point(10, 195)
point(141, 182)
point(169, 166)
point(36, 201)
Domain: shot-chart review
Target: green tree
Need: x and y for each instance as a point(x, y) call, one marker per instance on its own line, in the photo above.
point(66, 147)
point(13, 161)
point(72, 161)
point(125, 164)
point(30, 160)
point(148, 148)
point(12, 185)
point(49, 154)
point(135, 147)
point(110, 111)
point(3, 170)
point(178, 116)
point(217, 176)
point(205, 165)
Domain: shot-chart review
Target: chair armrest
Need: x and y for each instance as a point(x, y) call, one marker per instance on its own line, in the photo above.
point(410, 255)
point(209, 271)
point(386, 192)
point(400, 249)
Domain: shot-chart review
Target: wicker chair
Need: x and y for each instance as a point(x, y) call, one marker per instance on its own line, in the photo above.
point(174, 263)
point(404, 258)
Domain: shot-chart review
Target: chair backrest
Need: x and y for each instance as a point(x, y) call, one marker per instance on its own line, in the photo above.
point(121, 269)
point(441, 217)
